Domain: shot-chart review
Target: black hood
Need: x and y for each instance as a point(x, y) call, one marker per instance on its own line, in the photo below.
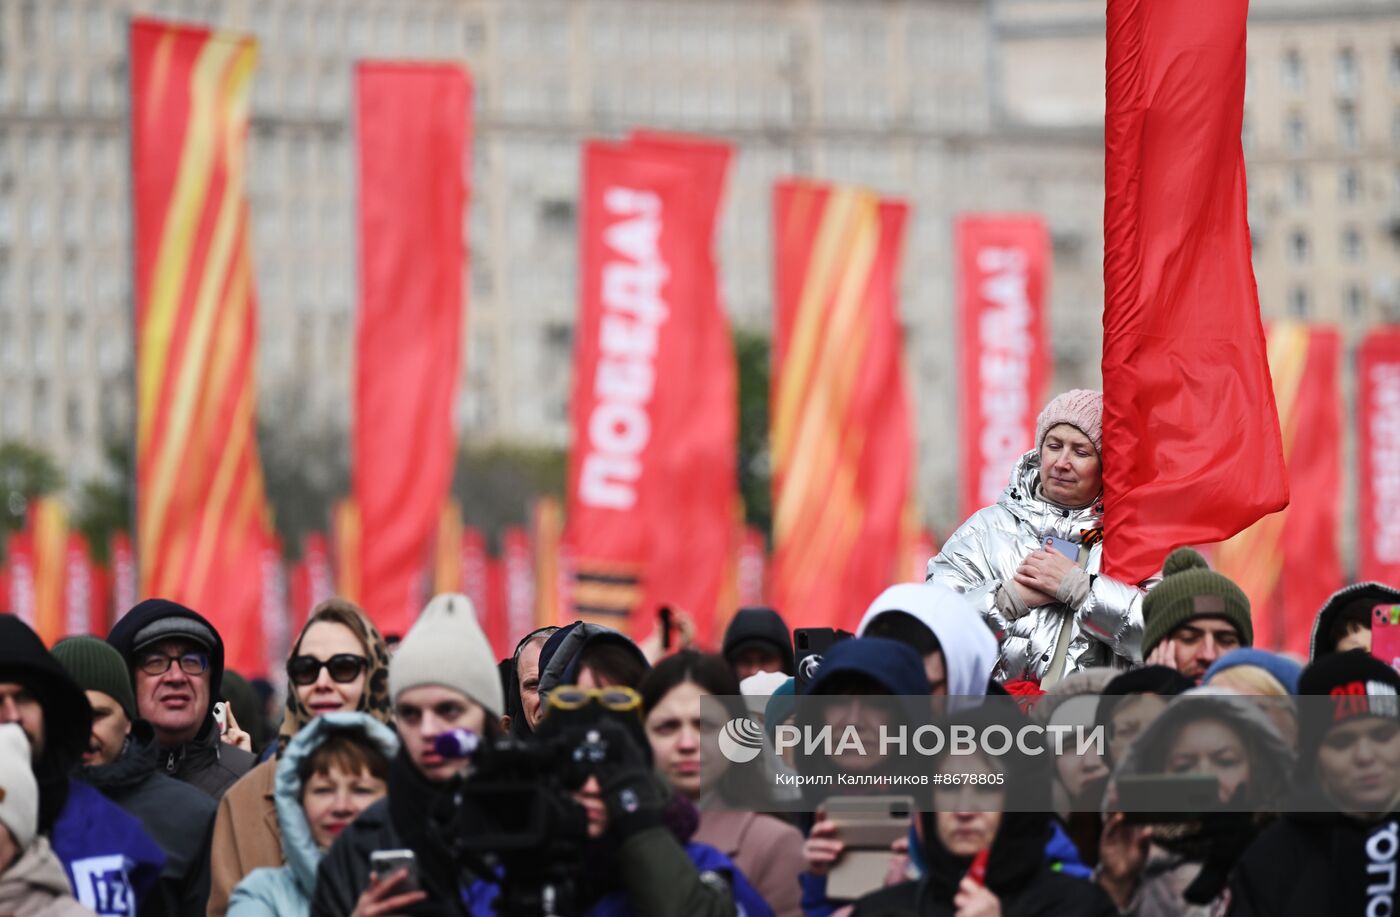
point(1355, 600)
point(124, 634)
point(67, 716)
point(762, 626)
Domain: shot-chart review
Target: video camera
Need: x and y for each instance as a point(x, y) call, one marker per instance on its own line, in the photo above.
point(513, 817)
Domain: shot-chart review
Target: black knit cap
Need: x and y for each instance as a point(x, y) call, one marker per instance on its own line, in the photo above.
point(1150, 679)
point(759, 627)
point(1373, 686)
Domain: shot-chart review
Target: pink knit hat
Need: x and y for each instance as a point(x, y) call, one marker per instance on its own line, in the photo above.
point(1081, 408)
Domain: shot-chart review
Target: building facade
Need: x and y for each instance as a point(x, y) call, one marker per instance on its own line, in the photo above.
point(955, 105)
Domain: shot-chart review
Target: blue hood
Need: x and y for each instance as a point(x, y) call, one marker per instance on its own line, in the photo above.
point(893, 665)
point(303, 856)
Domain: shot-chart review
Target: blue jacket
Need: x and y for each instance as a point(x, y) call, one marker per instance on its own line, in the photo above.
point(112, 864)
point(481, 895)
point(286, 891)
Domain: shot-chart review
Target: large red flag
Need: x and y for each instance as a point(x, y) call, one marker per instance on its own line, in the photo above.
point(842, 446)
point(1191, 445)
point(645, 418)
point(1003, 263)
point(1288, 563)
point(412, 133)
point(1378, 509)
point(201, 510)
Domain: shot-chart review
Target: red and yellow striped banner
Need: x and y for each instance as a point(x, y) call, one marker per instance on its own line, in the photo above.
point(202, 515)
point(1288, 562)
point(842, 449)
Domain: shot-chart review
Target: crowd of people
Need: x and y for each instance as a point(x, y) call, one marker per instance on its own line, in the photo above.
point(578, 775)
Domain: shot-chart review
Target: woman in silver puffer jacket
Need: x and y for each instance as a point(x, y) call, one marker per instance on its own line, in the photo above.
point(1053, 614)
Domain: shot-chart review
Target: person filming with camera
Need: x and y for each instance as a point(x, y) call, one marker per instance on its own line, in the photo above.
point(621, 843)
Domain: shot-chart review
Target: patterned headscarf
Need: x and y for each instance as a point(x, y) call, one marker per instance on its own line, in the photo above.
point(374, 700)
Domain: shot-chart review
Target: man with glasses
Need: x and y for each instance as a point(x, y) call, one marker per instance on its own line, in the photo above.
point(176, 659)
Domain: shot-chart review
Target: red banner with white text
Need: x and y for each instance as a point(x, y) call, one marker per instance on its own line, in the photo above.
point(651, 469)
point(412, 137)
point(842, 437)
point(1288, 563)
point(1378, 407)
point(1003, 268)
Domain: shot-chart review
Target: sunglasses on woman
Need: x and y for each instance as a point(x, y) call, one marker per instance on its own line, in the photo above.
point(344, 668)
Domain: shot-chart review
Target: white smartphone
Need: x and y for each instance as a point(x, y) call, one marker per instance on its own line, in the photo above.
point(221, 716)
point(384, 863)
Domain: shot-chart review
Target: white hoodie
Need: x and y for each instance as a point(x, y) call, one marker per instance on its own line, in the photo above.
point(969, 646)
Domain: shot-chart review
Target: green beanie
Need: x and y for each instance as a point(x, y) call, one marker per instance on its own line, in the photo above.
point(1191, 589)
point(97, 666)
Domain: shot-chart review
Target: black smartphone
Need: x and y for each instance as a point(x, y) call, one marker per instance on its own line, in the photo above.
point(663, 614)
point(810, 643)
point(1168, 798)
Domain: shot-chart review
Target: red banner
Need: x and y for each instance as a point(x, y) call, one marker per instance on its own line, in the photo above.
point(651, 471)
point(81, 590)
point(518, 572)
point(841, 430)
point(1003, 267)
point(276, 614)
point(1191, 444)
point(20, 552)
point(316, 555)
point(413, 142)
point(476, 583)
point(1288, 563)
point(201, 510)
point(1378, 509)
point(753, 569)
point(124, 591)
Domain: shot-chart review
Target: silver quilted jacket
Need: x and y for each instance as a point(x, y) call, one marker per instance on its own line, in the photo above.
point(987, 549)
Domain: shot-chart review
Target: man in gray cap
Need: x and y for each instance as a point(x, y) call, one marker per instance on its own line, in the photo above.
point(176, 660)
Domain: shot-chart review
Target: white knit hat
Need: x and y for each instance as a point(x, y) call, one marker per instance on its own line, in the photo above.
point(19, 792)
point(446, 647)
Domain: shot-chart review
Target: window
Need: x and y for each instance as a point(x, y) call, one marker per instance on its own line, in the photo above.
point(1351, 243)
point(1293, 70)
point(1298, 246)
point(1348, 127)
point(1354, 300)
point(1348, 77)
point(1395, 66)
point(1349, 184)
point(1298, 301)
point(1298, 187)
point(1295, 132)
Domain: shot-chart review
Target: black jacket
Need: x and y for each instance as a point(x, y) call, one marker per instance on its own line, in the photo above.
point(207, 762)
point(344, 871)
point(176, 815)
point(1306, 864)
point(1047, 894)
